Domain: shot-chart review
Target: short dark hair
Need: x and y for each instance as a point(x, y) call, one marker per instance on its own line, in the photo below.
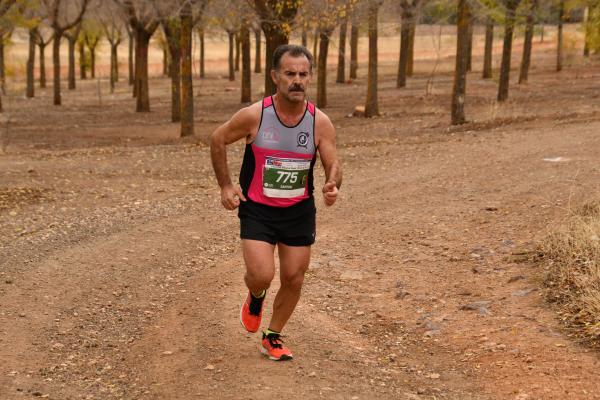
point(294, 50)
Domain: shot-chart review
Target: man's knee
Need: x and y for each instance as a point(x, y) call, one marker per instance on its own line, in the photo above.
point(293, 279)
point(259, 278)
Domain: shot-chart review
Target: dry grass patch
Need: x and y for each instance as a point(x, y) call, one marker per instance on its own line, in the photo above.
point(571, 258)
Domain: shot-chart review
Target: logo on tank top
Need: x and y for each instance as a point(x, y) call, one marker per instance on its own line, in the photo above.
point(302, 139)
point(270, 135)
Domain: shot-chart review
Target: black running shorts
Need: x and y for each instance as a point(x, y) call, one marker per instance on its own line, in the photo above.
point(294, 227)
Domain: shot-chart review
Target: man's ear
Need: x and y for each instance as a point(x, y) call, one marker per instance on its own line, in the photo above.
point(274, 76)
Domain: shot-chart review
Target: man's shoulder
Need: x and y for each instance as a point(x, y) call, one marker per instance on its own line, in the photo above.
point(249, 113)
point(322, 119)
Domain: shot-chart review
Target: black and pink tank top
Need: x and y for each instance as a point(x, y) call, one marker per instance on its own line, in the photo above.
point(277, 169)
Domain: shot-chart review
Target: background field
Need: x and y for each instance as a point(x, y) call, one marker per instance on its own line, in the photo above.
point(121, 274)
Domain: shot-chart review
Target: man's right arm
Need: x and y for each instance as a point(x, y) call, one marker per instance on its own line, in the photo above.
point(239, 126)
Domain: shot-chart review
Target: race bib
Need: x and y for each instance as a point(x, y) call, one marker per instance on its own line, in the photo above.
point(285, 177)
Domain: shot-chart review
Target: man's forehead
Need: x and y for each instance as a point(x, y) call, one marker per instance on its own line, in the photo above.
point(295, 63)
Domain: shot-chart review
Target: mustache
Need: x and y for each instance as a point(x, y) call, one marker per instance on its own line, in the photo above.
point(296, 88)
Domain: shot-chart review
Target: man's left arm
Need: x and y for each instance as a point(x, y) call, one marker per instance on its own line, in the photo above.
point(329, 159)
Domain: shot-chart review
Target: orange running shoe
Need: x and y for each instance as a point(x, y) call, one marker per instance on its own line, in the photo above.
point(251, 312)
point(272, 346)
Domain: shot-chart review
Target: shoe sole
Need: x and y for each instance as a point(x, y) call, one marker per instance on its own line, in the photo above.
point(242, 321)
point(282, 358)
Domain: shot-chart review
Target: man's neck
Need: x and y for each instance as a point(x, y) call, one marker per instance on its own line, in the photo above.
point(291, 111)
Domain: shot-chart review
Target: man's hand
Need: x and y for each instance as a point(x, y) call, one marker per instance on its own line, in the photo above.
point(231, 196)
point(330, 192)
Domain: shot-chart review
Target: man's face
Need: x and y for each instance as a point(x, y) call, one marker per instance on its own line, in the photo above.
point(292, 77)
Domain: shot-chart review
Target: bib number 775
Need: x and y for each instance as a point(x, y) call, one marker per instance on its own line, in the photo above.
point(287, 176)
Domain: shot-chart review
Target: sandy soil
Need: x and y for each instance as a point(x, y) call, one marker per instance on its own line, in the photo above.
point(121, 274)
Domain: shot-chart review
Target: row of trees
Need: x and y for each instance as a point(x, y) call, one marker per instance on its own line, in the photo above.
point(84, 22)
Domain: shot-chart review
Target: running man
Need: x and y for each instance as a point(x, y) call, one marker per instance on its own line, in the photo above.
point(283, 133)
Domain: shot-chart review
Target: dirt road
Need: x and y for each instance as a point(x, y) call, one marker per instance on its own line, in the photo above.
point(121, 275)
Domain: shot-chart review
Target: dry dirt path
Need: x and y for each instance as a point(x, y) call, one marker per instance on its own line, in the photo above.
point(141, 299)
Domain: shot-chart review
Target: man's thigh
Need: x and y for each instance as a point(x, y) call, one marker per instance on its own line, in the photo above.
point(259, 257)
point(293, 260)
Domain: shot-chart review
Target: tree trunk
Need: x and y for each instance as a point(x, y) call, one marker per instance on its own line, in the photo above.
point(341, 67)
point(487, 53)
point(559, 44)
point(404, 45)
point(322, 69)
point(470, 45)
point(274, 38)
point(56, 66)
point(411, 48)
point(460, 70)
point(509, 24)
point(174, 38)
point(231, 36)
point(187, 88)
point(353, 50)
point(316, 46)
point(372, 103)
point(82, 62)
point(587, 29)
point(2, 67)
point(71, 76)
point(93, 61)
point(238, 46)
point(114, 66)
point(42, 66)
point(30, 91)
point(304, 36)
point(165, 62)
point(246, 67)
point(142, 94)
point(526, 60)
point(130, 62)
point(257, 63)
point(201, 36)
point(542, 34)
point(117, 61)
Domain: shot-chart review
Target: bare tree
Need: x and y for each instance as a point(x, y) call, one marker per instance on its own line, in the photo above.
point(130, 53)
point(354, 47)
point(276, 18)
point(559, 35)
point(487, 52)
point(72, 35)
point(171, 26)
point(408, 12)
point(144, 22)
point(372, 103)
point(31, 16)
point(341, 66)
point(187, 92)
point(43, 39)
point(257, 53)
point(63, 15)
point(509, 24)
point(246, 67)
point(460, 70)
point(200, 33)
point(112, 28)
point(527, 43)
point(83, 58)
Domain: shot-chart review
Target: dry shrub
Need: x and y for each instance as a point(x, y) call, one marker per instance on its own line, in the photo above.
point(572, 261)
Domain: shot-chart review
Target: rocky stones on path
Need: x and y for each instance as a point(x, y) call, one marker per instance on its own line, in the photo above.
point(480, 306)
point(350, 275)
point(516, 278)
point(522, 292)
